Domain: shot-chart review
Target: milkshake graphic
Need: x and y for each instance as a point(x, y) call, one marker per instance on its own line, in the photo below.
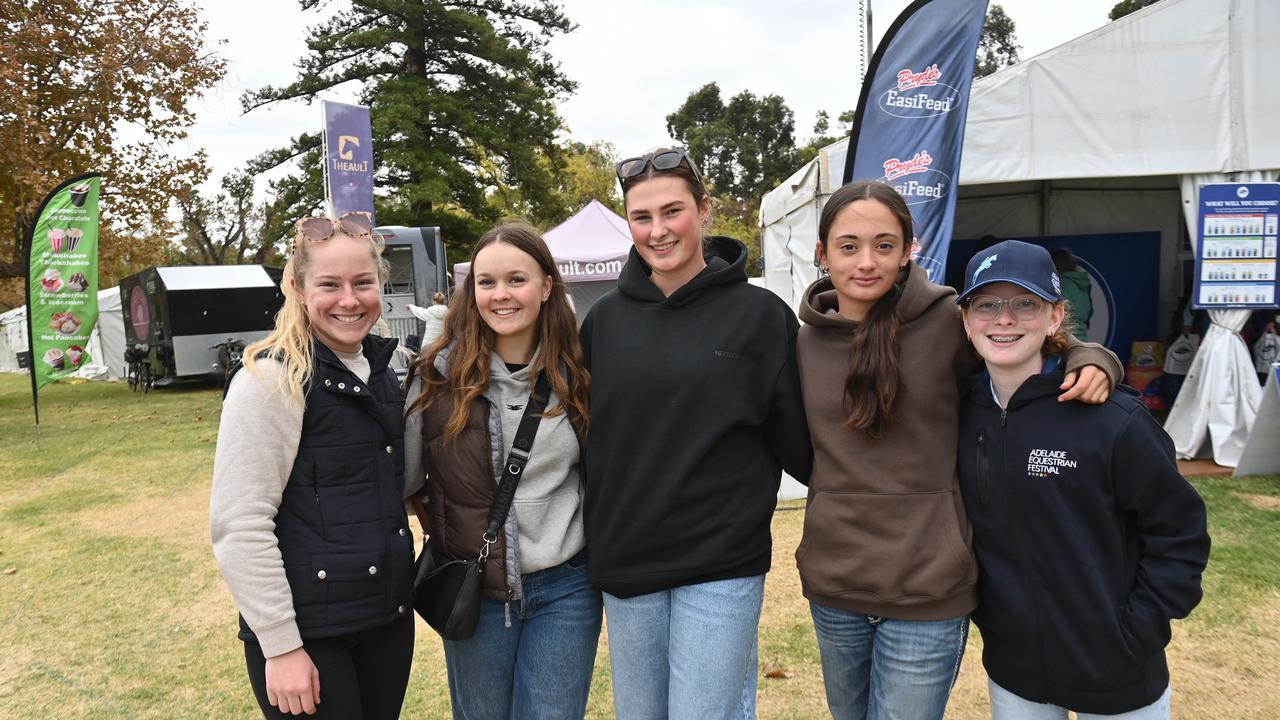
point(73, 238)
point(56, 236)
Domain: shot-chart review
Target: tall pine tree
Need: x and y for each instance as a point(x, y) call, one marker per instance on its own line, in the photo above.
point(463, 100)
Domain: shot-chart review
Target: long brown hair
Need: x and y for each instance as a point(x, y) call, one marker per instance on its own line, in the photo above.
point(470, 342)
point(874, 379)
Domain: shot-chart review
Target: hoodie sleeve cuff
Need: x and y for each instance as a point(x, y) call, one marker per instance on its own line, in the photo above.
point(279, 639)
point(1078, 355)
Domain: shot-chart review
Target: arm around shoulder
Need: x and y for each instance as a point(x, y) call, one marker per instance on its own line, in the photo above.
point(1081, 354)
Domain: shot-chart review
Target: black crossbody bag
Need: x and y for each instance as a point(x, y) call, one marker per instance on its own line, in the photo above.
point(447, 594)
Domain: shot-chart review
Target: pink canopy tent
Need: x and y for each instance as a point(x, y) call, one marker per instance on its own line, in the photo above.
point(590, 249)
point(591, 246)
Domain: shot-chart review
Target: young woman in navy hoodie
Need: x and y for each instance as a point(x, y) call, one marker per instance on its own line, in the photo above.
point(695, 410)
point(1088, 539)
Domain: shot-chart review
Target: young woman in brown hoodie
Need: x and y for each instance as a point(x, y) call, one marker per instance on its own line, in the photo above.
point(886, 558)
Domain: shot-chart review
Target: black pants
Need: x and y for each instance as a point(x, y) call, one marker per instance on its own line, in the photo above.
point(363, 675)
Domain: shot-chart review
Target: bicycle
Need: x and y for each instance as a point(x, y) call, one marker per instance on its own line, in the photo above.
point(138, 371)
point(230, 352)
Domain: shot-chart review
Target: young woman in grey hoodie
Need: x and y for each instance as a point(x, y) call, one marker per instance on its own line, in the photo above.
point(534, 649)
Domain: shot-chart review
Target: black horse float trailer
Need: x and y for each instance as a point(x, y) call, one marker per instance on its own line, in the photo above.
point(175, 318)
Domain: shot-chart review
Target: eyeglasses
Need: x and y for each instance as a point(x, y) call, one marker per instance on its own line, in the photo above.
point(661, 160)
point(988, 307)
point(356, 224)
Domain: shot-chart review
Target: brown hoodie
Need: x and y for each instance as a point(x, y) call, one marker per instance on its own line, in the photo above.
point(885, 532)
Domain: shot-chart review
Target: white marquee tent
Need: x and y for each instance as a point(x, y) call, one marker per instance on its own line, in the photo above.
point(1112, 132)
point(106, 342)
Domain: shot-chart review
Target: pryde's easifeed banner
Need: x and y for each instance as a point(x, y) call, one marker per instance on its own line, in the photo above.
point(63, 267)
point(348, 158)
point(909, 128)
point(1236, 260)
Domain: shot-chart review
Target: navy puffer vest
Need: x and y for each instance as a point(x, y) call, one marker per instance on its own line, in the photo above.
point(341, 526)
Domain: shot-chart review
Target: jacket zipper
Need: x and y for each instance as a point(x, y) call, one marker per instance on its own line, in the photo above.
point(1022, 544)
point(984, 470)
point(324, 531)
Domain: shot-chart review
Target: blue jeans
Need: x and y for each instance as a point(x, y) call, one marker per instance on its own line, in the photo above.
point(1008, 706)
point(883, 669)
point(688, 652)
point(540, 666)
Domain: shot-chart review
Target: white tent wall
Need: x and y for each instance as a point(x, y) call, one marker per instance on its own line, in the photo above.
point(106, 344)
point(1180, 86)
point(789, 219)
point(13, 338)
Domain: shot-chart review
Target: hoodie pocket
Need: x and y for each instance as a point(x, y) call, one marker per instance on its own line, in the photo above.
point(905, 549)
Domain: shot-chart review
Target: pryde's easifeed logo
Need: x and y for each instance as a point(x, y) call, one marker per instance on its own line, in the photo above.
point(919, 94)
point(914, 180)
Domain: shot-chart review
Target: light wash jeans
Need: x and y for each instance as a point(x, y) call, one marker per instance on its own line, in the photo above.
point(689, 652)
point(1008, 706)
point(883, 669)
point(541, 666)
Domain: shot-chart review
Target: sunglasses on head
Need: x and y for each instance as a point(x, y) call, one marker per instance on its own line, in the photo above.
point(355, 223)
point(661, 160)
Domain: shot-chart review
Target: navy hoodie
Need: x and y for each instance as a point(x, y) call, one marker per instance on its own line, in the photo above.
point(1088, 542)
point(695, 410)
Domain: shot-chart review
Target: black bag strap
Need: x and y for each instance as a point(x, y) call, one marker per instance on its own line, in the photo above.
point(521, 447)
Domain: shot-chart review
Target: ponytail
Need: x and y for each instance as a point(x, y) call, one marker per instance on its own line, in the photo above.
point(874, 379)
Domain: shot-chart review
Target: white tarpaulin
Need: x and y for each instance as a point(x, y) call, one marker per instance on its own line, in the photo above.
point(1181, 86)
point(1219, 398)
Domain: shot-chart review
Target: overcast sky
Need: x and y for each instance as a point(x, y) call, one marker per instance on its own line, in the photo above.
point(634, 62)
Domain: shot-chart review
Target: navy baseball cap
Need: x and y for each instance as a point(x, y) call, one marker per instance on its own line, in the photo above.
point(1013, 261)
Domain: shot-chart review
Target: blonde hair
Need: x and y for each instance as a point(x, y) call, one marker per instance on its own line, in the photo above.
point(1056, 344)
point(292, 342)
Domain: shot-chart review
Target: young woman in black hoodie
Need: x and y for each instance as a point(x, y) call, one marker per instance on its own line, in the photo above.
point(695, 407)
point(1088, 539)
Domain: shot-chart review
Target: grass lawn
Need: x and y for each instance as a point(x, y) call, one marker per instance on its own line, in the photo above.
point(111, 605)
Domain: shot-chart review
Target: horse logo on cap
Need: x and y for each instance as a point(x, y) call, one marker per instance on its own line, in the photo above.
point(986, 263)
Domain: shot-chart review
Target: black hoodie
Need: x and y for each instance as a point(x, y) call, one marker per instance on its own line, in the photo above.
point(695, 409)
point(1088, 542)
